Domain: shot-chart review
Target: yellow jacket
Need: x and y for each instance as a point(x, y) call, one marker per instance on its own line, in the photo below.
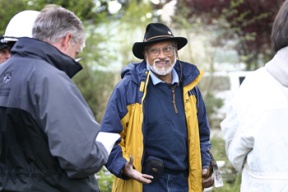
point(132, 122)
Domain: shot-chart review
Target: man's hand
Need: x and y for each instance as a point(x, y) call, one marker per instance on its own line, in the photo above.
point(207, 178)
point(129, 171)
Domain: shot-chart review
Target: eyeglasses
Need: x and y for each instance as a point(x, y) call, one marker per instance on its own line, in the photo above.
point(154, 52)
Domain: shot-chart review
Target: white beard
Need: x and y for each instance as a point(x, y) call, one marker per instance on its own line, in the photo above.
point(162, 70)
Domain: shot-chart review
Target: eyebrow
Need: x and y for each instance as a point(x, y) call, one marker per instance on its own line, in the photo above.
point(149, 47)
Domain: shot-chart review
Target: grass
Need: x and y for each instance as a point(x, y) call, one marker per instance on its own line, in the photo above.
point(231, 178)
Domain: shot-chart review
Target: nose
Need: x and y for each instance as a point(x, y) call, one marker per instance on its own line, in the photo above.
point(161, 54)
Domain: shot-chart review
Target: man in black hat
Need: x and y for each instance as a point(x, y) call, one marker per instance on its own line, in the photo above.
point(160, 113)
point(4, 50)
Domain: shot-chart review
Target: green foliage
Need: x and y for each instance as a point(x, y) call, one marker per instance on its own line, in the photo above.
point(8, 10)
point(84, 9)
point(105, 180)
point(96, 87)
point(97, 50)
point(231, 178)
point(136, 12)
point(212, 103)
point(134, 17)
point(247, 23)
point(243, 25)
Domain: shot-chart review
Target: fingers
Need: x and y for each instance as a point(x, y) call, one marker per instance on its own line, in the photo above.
point(207, 182)
point(131, 159)
point(129, 167)
point(134, 174)
point(205, 173)
point(147, 176)
point(143, 178)
point(129, 164)
point(207, 178)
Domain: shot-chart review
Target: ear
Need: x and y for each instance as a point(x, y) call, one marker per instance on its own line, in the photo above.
point(66, 40)
point(176, 52)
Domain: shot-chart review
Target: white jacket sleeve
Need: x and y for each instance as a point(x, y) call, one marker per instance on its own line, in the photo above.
point(237, 145)
point(237, 128)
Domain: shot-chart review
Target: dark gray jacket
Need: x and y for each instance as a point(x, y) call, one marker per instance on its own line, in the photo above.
point(47, 131)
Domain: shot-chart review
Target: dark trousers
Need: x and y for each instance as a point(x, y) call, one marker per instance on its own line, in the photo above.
point(168, 182)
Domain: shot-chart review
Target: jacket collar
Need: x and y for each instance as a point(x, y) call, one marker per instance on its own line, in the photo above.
point(156, 80)
point(32, 47)
point(278, 66)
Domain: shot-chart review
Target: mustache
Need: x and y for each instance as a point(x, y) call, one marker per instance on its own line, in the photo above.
point(166, 59)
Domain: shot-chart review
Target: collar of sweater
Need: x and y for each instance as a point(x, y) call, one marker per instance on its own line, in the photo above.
point(278, 66)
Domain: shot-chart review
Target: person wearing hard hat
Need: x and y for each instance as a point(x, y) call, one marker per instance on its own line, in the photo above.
point(4, 50)
point(20, 25)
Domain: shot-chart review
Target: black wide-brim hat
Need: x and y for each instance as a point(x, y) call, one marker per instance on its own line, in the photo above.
point(156, 32)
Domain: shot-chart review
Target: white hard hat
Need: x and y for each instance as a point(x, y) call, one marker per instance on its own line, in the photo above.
point(20, 25)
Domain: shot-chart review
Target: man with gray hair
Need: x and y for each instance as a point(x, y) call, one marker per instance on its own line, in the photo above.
point(47, 130)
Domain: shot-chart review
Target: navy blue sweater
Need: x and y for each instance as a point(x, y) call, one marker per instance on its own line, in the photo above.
point(166, 133)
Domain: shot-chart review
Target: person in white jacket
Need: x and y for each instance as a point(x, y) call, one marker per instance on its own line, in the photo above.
point(255, 129)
